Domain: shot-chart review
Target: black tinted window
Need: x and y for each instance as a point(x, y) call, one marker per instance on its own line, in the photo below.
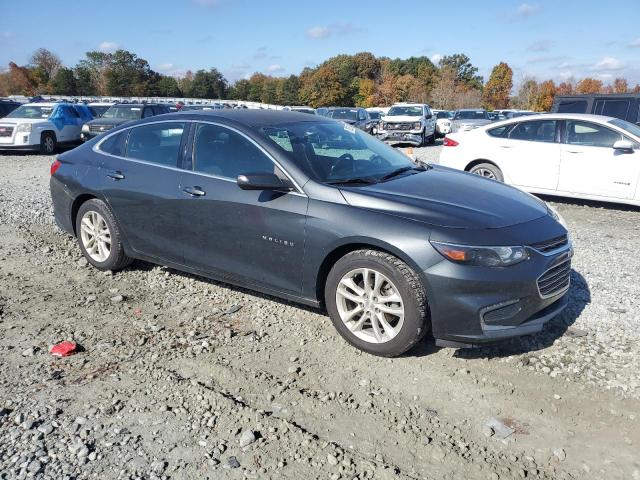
point(572, 106)
point(591, 134)
point(115, 144)
point(612, 108)
point(157, 142)
point(537, 131)
point(223, 152)
point(147, 112)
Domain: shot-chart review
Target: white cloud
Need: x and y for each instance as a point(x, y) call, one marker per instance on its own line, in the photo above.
point(566, 74)
point(609, 63)
point(435, 58)
point(108, 47)
point(320, 31)
point(635, 43)
point(275, 68)
point(528, 10)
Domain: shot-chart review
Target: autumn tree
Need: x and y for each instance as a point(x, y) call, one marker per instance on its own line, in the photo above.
point(620, 85)
point(20, 80)
point(322, 88)
point(497, 90)
point(589, 85)
point(565, 88)
point(544, 99)
point(366, 93)
point(45, 65)
point(444, 90)
point(525, 98)
point(466, 72)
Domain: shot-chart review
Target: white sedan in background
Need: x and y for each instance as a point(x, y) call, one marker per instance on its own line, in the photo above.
point(571, 155)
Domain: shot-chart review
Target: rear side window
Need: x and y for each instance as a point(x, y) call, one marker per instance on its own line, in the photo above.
point(499, 131)
point(225, 153)
point(572, 106)
point(156, 143)
point(591, 134)
point(115, 144)
point(612, 108)
point(536, 131)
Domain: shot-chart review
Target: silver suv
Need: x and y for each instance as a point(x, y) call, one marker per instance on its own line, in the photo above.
point(412, 123)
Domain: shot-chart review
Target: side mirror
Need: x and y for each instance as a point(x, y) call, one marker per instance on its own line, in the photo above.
point(262, 181)
point(623, 145)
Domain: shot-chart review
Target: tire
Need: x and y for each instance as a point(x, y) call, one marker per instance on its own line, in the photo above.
point(96, 212)
point(425, 140)
point(487, 170)
point(397, 280)
point(48, 143)
point(432, 138)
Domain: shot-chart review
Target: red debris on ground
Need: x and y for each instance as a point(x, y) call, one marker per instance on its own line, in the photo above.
point(63, 349)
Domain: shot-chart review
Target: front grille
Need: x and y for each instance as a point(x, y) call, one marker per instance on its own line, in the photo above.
point(6, 131)
point(99, 128)
point(557, 278)
point(399, 126)
point(551, 245)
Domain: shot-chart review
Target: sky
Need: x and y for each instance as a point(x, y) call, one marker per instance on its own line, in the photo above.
point(556, 39)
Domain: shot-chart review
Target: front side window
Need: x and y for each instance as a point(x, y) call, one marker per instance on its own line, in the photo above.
point(344, 114)
point(156, 143)
point(499, 131)
point(226, 153)
point(536, 131)
point(332, 152)
point(591, 134)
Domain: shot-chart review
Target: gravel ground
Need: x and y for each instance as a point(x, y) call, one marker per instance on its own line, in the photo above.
point(181, 377)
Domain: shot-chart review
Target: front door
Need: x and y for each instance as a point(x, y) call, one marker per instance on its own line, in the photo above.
point(591, 166)
point(252, 236)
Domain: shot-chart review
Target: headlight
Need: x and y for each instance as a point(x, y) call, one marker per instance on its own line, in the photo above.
point(417, 126)
point(85, 128)
point(481, 256)
point(23, 127)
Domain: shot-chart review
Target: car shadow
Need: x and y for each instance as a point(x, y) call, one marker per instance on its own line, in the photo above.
point(579, 298)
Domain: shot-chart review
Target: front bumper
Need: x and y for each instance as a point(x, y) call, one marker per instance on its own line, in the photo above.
point(393, 137)
point(471, 306)
point(20, 141)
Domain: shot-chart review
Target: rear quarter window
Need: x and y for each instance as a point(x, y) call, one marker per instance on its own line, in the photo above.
point(115, 144)
point(498, 131)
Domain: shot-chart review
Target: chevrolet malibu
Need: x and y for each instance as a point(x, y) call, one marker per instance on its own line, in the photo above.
point(315, 211)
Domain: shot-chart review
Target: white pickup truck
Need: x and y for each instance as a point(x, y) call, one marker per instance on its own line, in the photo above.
point(412, 123)
point(43, 126)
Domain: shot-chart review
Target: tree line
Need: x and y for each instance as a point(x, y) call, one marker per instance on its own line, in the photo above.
point(361, 79)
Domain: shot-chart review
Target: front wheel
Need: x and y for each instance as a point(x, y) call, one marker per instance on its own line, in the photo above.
point(99, 236)
point(487, 170)
point(376, 302)
point(47, 143)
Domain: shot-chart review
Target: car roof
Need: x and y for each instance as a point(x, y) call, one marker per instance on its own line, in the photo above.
point(550, 116)
point(248, 117)
point(45, 104)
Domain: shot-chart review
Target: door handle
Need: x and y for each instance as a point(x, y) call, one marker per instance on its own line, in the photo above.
point(194, 191)
point(506, 146)
point(115, 175)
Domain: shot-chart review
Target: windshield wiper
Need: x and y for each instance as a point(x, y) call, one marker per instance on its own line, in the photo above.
point(400, 171)
point(351, 181)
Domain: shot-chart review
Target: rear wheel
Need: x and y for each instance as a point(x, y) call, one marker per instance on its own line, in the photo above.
point(99, 236)
point(47, 143)
point(487, 170)
point(376, 302)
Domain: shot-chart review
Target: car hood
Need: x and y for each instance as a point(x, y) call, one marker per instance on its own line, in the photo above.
point(111, 122)
point(19, 121)
point(401, 118)
point(448, 198)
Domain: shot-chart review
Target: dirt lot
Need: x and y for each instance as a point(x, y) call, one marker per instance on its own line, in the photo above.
point(181, 377)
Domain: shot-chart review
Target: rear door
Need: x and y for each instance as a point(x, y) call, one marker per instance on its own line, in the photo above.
point(139, 180)
point(256, 237)
point(590, 165)
point(529, 154)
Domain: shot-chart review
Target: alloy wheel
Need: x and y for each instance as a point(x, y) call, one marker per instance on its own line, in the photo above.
point(370, 305)
point(485, 172)
point(49, 146)
point(95, 236)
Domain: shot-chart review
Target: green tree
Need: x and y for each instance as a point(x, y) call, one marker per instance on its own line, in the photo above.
point(323, 88)
point(84, 82)
point(208, 84)
point(498, 89)
point(45, 65)
point(465, 71)
point(95, 65)
point(168, 87)
point(64, 82)
point(128, 74)
point(240, 90)
point(290, 90)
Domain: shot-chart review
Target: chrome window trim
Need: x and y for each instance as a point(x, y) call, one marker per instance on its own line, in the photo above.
point(96, 149)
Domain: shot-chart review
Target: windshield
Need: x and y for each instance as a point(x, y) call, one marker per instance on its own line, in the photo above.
point(408, 111)
point(123, 113)
point(344, 114)
point(471, 115)
point(332, 152)
point(31, 111)
point(444, 115)
point(374, 115)
point(98, 110)
point(628, 126)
